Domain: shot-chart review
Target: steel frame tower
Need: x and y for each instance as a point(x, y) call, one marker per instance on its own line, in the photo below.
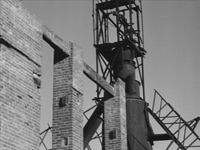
point(117, 23)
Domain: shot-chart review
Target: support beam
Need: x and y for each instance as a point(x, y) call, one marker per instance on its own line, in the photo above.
point(91, 74)
point(93, 124)
point(160, 137)
point(61, 48)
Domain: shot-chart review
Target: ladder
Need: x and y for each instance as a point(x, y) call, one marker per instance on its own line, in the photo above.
point(181, 132)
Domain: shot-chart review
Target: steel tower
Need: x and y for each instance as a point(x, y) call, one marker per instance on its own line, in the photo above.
point(117, 25)
point(118, 34)
point(119, 39)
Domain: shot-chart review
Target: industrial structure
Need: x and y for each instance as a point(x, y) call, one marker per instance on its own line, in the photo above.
point(121, 112)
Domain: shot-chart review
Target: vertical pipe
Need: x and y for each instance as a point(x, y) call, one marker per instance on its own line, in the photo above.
point(139, 44)
point(154, 101)
point(143, 47)
point(130, 14)
point(97, 42)
point(93, 19)
point(117, 20)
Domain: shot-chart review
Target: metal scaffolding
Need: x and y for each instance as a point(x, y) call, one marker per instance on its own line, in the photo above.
point(117, 23)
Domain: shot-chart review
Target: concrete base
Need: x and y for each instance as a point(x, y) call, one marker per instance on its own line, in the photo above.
point(136, 124)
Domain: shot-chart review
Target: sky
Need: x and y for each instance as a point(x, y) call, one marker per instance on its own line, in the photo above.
point(172, 41)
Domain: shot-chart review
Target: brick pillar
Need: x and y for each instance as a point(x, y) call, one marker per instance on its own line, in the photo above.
point(20, 68)
point(68, 102)
point(115, 120)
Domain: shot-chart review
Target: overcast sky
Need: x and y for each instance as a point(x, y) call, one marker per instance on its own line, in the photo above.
point(172, 41)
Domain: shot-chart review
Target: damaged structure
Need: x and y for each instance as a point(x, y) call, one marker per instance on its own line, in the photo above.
point(121, 109)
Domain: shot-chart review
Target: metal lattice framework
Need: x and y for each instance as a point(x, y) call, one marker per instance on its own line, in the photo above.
point(43, 135)
point(98, 134)
point(181, 132)
point(117, 23)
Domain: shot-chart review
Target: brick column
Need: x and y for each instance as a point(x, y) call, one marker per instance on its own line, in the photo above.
point(20, 68)
point(68, 102)
point(115, 120)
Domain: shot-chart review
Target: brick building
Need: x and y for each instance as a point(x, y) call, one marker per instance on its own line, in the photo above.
point(68, 101)
point(21, 38)
point(20, 68)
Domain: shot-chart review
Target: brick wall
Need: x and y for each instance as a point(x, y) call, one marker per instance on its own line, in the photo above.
point(21, 29)
point(68, 102)
point(20, 59)
point(115, 120)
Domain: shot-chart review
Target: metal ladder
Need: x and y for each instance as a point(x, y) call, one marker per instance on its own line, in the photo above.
point(181, 132)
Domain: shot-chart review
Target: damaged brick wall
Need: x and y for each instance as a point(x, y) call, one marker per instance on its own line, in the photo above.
point(20, 68)
point(67, 133)
point(115, 119)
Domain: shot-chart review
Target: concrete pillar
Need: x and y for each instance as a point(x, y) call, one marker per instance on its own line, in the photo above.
point(115, 119)
point(20, 71)
point(136, 124)
point(67, 132)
